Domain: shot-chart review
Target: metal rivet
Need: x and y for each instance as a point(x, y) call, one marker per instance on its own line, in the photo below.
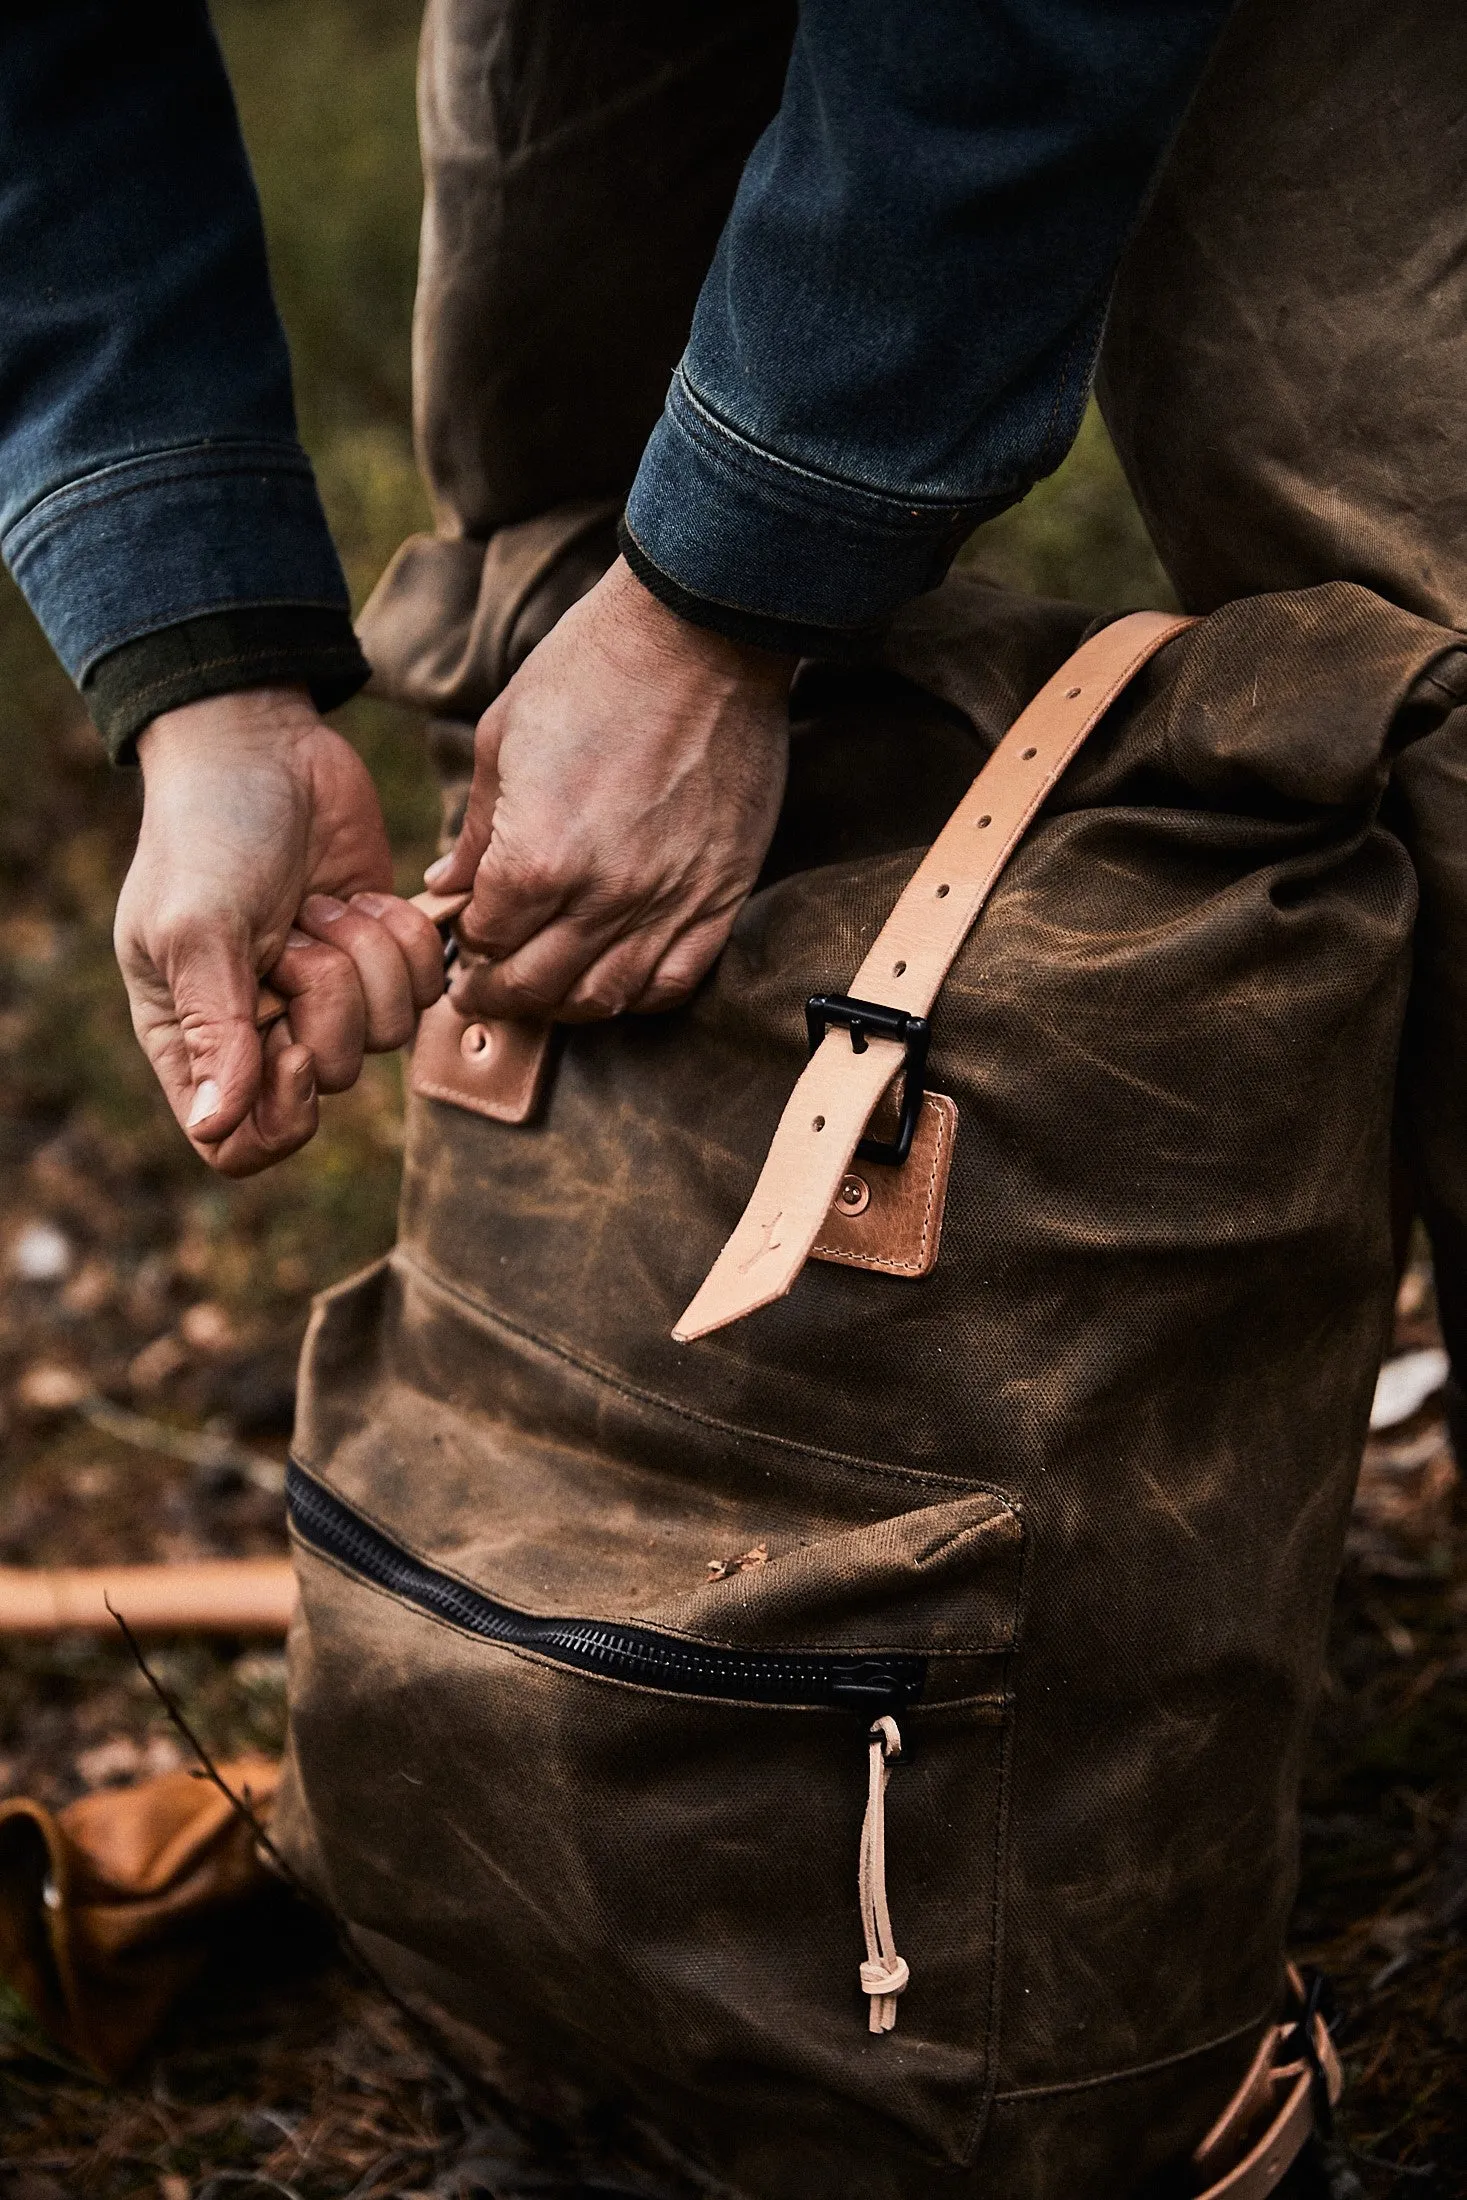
point(854, 1196)
point(475, 1042)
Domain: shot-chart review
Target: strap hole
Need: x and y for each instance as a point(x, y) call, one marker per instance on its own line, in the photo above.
point(941, 891)
point(898, 970)
point(1070, 694)
point(984, 821)
point(1028, 753)
point(818, 1124)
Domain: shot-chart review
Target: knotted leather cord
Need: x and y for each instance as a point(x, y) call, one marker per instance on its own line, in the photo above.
point(884, 1974)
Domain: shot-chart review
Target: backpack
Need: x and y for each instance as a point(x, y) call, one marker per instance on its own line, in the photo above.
point(816, 1545)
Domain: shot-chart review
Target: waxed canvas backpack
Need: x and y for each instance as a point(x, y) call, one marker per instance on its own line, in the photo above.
point(815, 1563)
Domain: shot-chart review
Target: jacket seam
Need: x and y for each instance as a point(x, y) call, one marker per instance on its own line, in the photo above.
point(153, 470)
point(919, 505)
point(816, 633)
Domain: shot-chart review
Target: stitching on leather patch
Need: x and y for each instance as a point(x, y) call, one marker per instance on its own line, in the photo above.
point(913, 1265)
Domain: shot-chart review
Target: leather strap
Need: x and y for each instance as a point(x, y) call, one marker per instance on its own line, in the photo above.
point(830, 1106)
point(1258, 2161)
point(439, 909)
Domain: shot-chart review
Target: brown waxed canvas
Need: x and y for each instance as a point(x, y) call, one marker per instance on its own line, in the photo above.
point(1096, 1467)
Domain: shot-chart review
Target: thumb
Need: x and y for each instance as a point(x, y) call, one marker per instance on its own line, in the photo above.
point(454, 873)
point(205, 1047)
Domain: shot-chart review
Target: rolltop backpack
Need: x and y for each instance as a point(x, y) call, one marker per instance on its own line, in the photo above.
point(815, 1547)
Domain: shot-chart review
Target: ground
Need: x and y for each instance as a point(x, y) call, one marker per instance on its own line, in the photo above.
point(126, 1273)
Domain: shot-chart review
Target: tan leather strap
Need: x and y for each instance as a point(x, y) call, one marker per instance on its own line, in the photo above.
point(1253, 2162)
point(912, 954)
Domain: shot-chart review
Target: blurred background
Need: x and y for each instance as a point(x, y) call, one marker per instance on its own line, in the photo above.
point(150, 1314)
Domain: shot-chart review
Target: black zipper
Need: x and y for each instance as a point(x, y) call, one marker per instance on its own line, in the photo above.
point(610, 1647)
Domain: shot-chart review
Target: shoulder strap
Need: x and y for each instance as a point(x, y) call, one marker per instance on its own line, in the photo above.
point(831, 1105)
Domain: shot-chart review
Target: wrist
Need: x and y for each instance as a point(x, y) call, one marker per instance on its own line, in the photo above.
point(247, 722)
point(656, 626)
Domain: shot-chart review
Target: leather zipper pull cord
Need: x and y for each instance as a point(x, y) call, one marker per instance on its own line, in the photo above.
point(884, 1974)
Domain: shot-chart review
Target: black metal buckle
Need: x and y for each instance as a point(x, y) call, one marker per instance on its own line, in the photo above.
point(863, 1019)
point(1299, 2045)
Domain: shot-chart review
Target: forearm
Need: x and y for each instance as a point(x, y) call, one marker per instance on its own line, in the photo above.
point(155, 504)
point(897, 335)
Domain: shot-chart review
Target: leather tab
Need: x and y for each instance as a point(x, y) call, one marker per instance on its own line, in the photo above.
point(890, 1220)
point(496, 1069)
point(439, 909)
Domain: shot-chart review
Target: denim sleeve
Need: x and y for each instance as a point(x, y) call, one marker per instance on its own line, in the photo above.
point(150, 472)
point(898, 333)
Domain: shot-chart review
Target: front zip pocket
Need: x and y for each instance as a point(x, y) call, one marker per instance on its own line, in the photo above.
point(640, 1655)
point(704, 1828)
point(618, 1651)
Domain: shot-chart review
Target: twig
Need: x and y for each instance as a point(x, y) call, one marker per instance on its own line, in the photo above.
point(240, 1805)
point(193, 1448)
point(361, 1963)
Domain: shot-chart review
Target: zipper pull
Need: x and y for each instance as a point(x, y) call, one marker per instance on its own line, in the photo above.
point(884, 1974)
point(875, 1685)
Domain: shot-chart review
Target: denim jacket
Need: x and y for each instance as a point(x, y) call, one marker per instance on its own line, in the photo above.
point(895, 339)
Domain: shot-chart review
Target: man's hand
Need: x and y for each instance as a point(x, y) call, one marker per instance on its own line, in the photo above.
point(262, 853)
point(626, 786)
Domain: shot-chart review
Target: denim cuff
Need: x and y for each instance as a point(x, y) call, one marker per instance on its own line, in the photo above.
point(262, 645)
point(150, 542)
point(738, 529)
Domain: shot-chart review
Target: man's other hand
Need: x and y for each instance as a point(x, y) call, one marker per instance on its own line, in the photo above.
point(626, 786)
point(262, 854)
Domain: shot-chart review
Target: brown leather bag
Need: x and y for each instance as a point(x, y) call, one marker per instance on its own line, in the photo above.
point(866, 1734)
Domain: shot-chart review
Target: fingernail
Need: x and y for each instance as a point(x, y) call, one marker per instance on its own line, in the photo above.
point(375, 905)
point(322, 908)
point(206, 1103)
point(294, 938)
point(437, 872)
